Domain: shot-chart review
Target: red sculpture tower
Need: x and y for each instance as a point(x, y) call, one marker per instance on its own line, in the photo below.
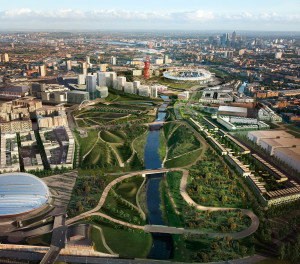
point(146, 68)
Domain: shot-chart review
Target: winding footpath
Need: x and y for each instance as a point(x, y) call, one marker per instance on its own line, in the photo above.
point(165, 229)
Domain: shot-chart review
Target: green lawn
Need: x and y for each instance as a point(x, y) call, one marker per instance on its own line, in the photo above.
point(182, 141)
point(100, 157)
point(168, 128)
point(110, 137)
point(118, 209)
point(87, 143)
point(184, 160)
point(42, 240)
point(127, 243)
point(128, 188)
point(110, 97)
point(96, 238)
point(162, 147)
point(124, 151)
point(139, 145)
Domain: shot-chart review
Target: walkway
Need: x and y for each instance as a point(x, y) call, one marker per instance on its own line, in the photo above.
point(165, 229)
point(115, 152)
point(104, 241)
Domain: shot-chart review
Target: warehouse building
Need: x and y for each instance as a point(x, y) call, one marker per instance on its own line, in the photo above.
point(232, 111)
point(257, 136)
point(291, 156)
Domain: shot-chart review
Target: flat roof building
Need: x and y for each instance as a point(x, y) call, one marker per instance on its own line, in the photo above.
point(257, 136)
point(232, 111)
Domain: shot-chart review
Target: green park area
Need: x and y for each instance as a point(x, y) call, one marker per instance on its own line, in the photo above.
point(87, 192)
point(111, 150)
point(230, 221)
point(139, 145)
point(211, 183)
point(121, 202)
point(128, 243)
point(201, 248)
point(183, 148)
point(103, 114)
point(128, 189)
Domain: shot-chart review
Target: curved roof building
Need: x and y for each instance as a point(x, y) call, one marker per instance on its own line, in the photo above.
point(21, 193)
point(188, 75)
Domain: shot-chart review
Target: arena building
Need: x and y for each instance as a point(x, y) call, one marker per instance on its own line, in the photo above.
point(21, 193)
point(188, 75)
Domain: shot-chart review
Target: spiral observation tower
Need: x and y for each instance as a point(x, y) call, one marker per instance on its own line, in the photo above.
point(200, 75)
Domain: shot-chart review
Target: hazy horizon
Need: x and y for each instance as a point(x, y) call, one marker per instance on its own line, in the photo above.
point(136, 15)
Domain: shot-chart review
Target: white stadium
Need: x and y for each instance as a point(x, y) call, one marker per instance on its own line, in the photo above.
point(188, 75)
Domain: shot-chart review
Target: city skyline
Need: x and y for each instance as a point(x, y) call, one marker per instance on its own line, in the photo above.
point(135, 15)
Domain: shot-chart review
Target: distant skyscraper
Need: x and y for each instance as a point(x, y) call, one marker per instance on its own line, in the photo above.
point(233, 37)
point(43, 70)
point(91, 83)
point(113, 60)
point(84, 68)
point(153, 92)
point(68, 65)
point(166, 59)
point(81, 79)
point(87, 59)
point(5, 57)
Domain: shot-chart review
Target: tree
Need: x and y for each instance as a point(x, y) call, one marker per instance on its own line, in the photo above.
point(281, 251)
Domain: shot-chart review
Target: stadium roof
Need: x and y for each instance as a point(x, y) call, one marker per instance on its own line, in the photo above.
point(21, 192)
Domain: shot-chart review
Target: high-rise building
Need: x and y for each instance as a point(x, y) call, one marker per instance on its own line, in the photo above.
point(166, 59)
point(84, 68)
point(102, 78)
point(91, 83)
point(121, 82)
point(153, 92)
point(113, 60)
point(88, 60)
point(68, 65)
point(103, 67)
point(233, 37)
point(112, 79)
point(136, 85)
point(81, 79)
point(5, 57)
point(42, 70)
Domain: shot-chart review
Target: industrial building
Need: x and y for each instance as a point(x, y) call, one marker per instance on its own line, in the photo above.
point(232, 111)
point(76, 97)
point(290, 156)
point(271, 144)
point(257, 136)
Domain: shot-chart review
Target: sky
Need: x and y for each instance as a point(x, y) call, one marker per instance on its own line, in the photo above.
point(183, 15)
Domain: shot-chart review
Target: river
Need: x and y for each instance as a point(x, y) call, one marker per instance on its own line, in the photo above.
point(242, 88)
point(162, 243)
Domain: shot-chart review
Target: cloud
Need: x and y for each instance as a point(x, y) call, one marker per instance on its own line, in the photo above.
point(68, 18)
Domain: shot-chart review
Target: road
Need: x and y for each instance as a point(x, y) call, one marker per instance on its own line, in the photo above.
point(26, 255)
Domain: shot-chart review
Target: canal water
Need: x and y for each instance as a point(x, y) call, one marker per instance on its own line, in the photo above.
point(242, 88)
point(162, 243)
